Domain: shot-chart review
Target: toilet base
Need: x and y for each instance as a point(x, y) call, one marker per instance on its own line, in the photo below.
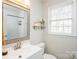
point(49, 56)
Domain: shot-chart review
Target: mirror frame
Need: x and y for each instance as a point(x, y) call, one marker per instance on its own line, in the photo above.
point(28, 25)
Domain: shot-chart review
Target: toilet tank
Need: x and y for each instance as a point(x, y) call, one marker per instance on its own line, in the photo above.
point(41, 45)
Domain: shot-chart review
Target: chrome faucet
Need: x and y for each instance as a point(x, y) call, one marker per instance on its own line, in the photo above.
point(18, 45)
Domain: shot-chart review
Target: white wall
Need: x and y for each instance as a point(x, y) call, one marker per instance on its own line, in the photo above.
point(57, 44)
point(36, 15)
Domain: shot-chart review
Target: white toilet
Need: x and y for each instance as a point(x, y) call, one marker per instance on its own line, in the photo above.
point(46, 56)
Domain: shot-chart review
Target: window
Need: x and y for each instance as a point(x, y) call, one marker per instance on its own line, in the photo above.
point(60, 20)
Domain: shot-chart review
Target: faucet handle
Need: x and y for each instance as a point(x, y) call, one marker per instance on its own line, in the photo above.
point(19, 44)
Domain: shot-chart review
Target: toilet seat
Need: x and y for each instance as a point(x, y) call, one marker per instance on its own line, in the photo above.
point(48, 56)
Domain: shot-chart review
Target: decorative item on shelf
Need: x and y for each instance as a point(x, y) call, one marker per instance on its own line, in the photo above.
point(39, 25)
point(4, 51)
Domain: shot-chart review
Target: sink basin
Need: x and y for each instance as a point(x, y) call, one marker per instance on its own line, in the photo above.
point(26, 52)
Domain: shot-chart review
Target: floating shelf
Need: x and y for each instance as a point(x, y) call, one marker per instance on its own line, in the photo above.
point(39, 25)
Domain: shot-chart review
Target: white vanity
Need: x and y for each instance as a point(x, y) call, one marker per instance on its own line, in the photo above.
point(25, 52)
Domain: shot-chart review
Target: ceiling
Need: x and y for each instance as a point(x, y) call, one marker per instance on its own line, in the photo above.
point(54, 1)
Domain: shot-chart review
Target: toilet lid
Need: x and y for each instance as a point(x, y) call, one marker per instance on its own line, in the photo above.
point(48, 56)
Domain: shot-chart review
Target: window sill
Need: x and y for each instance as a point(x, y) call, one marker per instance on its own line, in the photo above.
point(61, 34)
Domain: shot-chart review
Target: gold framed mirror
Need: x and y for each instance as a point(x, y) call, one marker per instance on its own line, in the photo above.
point(16, 23)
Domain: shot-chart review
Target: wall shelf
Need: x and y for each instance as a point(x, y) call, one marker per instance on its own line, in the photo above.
point(39, 25)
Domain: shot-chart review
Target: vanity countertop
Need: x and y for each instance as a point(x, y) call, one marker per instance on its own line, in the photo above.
point(23, 53)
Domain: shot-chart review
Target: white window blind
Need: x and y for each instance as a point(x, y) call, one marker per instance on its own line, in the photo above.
point(60, 19)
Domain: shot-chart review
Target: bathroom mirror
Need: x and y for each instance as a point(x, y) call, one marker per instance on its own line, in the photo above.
point(16, 24)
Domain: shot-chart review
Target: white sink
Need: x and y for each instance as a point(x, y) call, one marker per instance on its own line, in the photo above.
point(26, 52)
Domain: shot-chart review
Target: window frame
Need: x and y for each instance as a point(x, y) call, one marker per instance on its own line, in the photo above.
point(73, 18)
